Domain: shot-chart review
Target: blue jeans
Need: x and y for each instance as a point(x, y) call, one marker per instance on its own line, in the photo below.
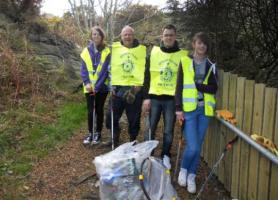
point(196, 124)
point(167, 108)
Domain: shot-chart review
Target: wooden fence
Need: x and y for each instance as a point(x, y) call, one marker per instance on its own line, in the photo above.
point(244, 171)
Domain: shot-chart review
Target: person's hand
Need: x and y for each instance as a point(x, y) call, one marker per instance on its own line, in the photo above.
point(137, 89)
point(89, 88)
point(180, 116)
point(146, 106)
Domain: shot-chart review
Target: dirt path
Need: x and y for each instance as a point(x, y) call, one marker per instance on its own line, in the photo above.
point(53, 177)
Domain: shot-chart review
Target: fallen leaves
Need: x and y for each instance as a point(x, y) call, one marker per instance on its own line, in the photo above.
point(227, 116)
point(266, 143)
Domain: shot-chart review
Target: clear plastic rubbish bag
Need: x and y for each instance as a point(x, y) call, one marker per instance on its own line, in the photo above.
point(118, 173)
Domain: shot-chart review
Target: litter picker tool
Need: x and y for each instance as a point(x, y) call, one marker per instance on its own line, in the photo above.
point(112, 120)
point(148, 132)
point(94, 115)
point(111, 106)
point(228, 146)
point(181, 123)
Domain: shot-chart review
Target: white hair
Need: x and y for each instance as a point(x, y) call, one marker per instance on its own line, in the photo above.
point(127, 27)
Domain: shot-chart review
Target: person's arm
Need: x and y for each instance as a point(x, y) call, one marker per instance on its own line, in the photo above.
point(178, 94)
point(85, 77)
point(103, 74)
point(212, 85)
point(146, 85)
point(179, 88)
point(84, 73)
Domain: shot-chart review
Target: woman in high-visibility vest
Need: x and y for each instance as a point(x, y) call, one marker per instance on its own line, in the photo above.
point(195, 103)
point(94, 73)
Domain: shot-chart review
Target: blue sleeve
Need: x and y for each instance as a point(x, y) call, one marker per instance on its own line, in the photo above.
point(84, 73)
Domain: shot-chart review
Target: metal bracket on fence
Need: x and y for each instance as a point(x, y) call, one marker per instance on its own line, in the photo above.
point(250, 141)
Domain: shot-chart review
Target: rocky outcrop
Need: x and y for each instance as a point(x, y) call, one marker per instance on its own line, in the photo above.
point(57, 51)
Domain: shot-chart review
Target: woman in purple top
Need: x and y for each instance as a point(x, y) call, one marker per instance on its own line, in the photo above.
point(94, 73)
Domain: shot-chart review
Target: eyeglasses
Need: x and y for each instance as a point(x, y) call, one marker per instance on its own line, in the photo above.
point(168, 35)
point(96, 34)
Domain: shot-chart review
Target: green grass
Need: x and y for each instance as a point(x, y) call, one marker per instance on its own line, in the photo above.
point(27, 139)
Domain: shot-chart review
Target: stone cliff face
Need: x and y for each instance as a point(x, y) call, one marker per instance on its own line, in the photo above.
point(55, 49)
point(35, 62)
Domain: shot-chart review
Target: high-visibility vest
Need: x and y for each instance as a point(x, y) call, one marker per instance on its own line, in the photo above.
point(93, 74)
point(190, 92)
point(163, 71)
point(127, 65)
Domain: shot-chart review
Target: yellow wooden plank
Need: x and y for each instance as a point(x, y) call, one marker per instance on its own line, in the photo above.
point(268, 131)
point(273, 194)
point(256, 128)
point(208, 145)
point(219, 95)
point(236, 148)
point(214, 141)
point(230, 135)
point(206, 148)
point(223, 135)
point(246, 127)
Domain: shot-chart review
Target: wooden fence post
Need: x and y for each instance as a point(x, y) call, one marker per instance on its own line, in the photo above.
point(274, 168)
point(256, 128)
point(223, 135)
point(236, 154)
point(230, 135)
point(246, 127)
point(268, 131)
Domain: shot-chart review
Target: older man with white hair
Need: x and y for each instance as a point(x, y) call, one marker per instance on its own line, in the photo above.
point(127, 77)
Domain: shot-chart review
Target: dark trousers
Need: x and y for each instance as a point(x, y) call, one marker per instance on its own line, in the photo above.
point(98, 100)
point(133, 113)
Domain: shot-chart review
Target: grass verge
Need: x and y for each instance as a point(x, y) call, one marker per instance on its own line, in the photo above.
point(28, 138)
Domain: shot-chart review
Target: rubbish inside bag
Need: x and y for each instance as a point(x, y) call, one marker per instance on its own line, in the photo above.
point(118, 173)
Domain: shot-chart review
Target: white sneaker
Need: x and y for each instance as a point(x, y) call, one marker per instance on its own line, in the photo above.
point(88, 139)
point(166, 162)
point(96, 138)
point(191, 184)
point(182, 177)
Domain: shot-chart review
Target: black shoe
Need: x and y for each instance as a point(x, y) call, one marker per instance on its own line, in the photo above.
point(132, 138)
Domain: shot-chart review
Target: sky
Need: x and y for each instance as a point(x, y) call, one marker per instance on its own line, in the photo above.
point(58, 7)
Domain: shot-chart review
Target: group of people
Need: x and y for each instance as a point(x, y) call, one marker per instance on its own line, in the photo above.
point(168, 82)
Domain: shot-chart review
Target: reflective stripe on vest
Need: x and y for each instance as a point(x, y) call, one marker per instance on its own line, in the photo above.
point(209, 99)
point(163, 71)
point(190, 93)
point(189, 100)
point(189, 86)
point(128, 65)
point(93, 75)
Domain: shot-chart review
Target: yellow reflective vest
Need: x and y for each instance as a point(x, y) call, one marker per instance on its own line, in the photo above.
point(127, 65)
point(163, 71)
point(93, 75)
point(190, 92)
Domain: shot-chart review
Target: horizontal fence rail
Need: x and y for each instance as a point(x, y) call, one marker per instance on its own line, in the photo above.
point(248, 171)
point(250, 141)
